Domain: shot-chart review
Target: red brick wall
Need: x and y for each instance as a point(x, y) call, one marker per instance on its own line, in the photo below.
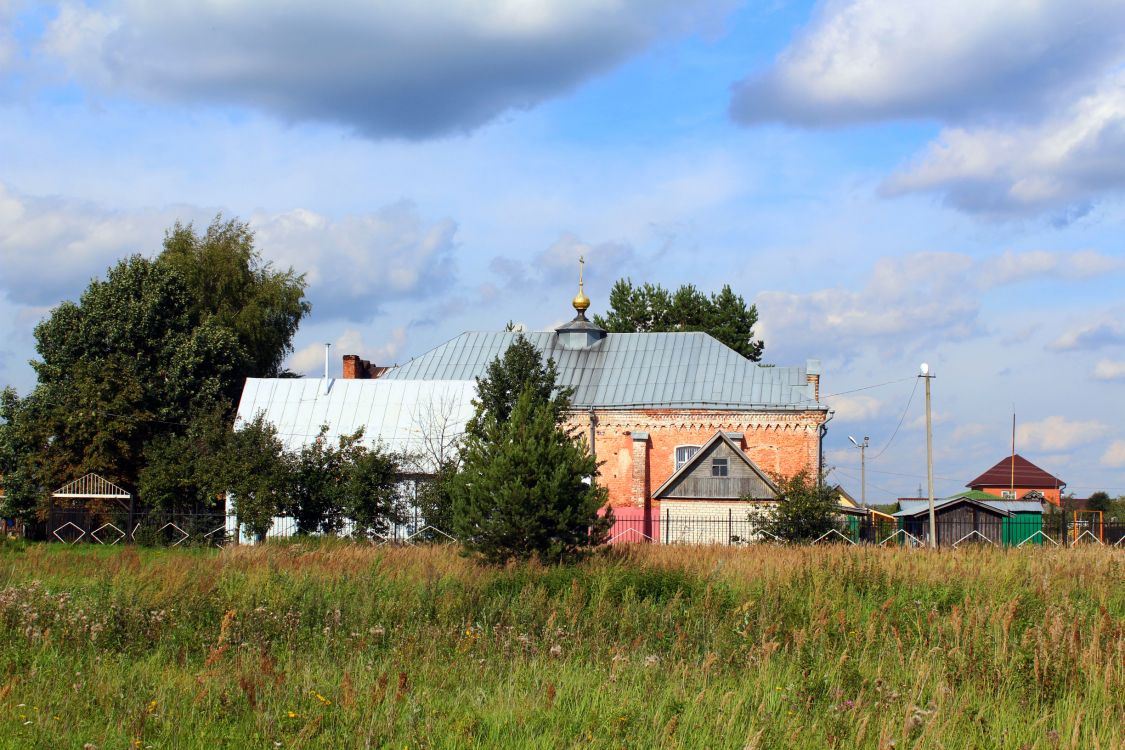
point(780, 443)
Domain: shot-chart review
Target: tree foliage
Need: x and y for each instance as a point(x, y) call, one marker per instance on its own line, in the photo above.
point(651, 307)
point(808, 508)
point(133, 370)
point(521, 367)
point(330, 482)
point(524, 489)
point(232, 285)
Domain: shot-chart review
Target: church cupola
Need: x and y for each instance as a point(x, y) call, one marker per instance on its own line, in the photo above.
point(580, 332)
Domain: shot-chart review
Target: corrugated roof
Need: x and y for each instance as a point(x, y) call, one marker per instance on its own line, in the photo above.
point(1027, 475)
point(623, 370)
point(404, 415)
point(910, 507)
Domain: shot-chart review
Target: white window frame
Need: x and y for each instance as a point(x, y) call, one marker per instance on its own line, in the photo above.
point(676, 462)
point(1009, 495)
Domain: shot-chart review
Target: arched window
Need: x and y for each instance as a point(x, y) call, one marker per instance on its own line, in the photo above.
point(684, 454)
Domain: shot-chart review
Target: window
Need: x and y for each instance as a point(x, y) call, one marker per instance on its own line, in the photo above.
point(684, 454)
point(718, 467)
point(1008, 494)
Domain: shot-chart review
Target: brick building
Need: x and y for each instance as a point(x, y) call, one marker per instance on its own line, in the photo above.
point(647, 402)
point(1014, 477)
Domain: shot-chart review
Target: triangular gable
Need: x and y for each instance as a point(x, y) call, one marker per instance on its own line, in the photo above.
point(705, 452)
point(91, 487)
point(1027, 474)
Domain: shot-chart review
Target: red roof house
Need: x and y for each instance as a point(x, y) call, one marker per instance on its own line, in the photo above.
point(1015, 476)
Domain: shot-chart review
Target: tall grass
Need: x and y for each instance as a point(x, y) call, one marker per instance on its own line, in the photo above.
point(338, 645)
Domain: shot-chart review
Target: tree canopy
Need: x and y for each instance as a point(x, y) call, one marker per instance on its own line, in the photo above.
point(808, 508)
point(155, 345)
point(519, 368)
point(651, 307)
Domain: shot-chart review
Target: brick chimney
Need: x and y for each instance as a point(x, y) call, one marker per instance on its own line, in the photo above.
point(812, 377)
point(360, 369)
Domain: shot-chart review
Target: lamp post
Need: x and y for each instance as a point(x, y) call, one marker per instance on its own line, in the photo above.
point(862, 467)
point(928, 376)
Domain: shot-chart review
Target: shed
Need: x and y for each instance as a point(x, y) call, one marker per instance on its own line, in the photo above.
point(959, 519)
point(1023, 522)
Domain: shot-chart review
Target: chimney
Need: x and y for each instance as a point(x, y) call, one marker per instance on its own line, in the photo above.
point(356, 368)
point(812, 377)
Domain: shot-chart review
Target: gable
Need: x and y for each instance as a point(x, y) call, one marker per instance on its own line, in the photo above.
point(697, 479)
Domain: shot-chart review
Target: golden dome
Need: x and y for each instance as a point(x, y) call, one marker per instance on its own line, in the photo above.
point(581, 302)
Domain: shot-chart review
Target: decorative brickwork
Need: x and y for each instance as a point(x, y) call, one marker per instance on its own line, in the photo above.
point(781, 443)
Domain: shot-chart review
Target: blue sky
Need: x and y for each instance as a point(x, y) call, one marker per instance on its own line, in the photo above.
point(891, 183)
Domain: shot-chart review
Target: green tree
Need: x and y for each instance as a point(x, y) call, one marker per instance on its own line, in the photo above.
point(187, 471)
point(20, 442)
point(253, 467)
point(650, 308)
point(144, 353)
point(435, 499)
point(331, 482)
point(1099, 501)
point(807, 509)
point(520, 367)
point(233, 286)
point(524, 488)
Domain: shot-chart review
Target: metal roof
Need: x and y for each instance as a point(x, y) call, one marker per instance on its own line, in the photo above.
point(911, 507)
point(403, 415)
point(689, 370)
point(1025, 474)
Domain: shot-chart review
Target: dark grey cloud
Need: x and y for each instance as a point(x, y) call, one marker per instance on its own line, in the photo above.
point(399, 69)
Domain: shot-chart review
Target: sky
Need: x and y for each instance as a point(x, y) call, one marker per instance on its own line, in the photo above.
point(890, 184)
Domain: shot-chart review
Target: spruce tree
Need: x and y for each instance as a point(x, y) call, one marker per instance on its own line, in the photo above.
point(524, 489)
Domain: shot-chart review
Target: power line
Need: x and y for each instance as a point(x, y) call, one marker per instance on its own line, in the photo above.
point(900, 419)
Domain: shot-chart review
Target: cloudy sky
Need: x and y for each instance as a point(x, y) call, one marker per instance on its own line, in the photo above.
point(891, 183)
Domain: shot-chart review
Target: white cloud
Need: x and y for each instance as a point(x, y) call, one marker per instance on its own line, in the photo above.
point(356, 263)
point(1109, 370)
point(864, 60)
point(383, 68)
point(856, 408)
point(1114, 455)
point(1058, 433)
point(309, 359)
point(1059, 165)
point(1090, 336)
point(51, 247)
point(912, 300)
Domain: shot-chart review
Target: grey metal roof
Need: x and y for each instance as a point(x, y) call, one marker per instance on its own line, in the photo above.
point(911, 507)
point(624, 370)
point(402, 415)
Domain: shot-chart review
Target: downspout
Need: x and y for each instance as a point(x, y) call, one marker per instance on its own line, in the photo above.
point(820, 449)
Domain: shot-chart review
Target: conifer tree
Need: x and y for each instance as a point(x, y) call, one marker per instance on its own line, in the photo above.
point(524, 489)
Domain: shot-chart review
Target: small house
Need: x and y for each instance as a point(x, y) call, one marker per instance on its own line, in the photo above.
point(974, 515)
point(1014, 477)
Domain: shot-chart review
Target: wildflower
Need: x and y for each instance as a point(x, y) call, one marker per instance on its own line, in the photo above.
point(324, 701)
point(152, 706)
point(292, 714)
point(556, 651)
point(652, 660)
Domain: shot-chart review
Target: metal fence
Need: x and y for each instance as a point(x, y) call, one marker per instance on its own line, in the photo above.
point(217, 528)
point(737, 528)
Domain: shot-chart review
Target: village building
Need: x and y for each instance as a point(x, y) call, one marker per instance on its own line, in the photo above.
point(1014, 477)
point(676, 418)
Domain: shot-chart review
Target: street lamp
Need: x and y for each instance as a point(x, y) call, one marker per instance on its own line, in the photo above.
point(928, 376)
point(862, 466)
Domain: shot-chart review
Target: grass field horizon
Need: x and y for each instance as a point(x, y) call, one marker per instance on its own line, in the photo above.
point(333, 644)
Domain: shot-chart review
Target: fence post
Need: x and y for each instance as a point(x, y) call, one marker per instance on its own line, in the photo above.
point(730, 525)
point(667, 517)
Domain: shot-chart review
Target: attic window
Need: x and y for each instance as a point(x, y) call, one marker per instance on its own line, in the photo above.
point(684, 454)
point(719, 467)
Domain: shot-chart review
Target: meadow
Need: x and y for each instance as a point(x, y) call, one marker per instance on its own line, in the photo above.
point(342, 645)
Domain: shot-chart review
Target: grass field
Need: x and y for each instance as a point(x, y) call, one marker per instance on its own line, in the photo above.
point(343, 646)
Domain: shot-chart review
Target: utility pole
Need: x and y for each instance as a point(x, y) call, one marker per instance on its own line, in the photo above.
point(928, 376)
point(862, 466)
